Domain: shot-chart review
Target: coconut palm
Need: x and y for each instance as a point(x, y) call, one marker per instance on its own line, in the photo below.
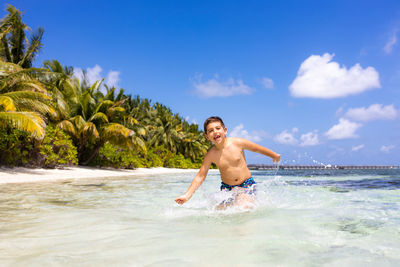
point(94, 124)
point(24, 101)
point(163, 128)
point(194, 144)
point(15, 46)
point(63, 87)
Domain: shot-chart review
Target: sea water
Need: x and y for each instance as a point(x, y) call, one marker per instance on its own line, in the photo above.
point(299, 218)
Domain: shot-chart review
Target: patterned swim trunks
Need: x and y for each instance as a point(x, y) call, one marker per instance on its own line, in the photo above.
point(246, 184)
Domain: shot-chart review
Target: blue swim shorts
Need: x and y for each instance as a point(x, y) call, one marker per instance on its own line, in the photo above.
point(246, 184)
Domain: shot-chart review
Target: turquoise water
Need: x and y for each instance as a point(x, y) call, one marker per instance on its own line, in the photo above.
point(300, 218)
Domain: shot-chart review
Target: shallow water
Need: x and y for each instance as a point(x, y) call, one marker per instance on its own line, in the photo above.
point(301, 218)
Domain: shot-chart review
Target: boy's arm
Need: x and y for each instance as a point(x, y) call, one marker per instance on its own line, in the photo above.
point(197, 181)
point(246, 144)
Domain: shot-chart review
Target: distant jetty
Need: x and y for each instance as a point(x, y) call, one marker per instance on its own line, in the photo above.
point(321, 167)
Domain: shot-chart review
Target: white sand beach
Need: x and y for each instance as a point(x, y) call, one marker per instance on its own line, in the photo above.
point(27, 175)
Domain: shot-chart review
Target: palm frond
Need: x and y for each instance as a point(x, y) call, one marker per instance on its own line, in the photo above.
point(117, 134)
point(104, 105)
point(26, 104)
point(99, 117)
point(140, 143)
point(30, 122)
point(67, 127)
point(32, 85)
point(115, 111)
point(7, 103)
point(16, 95)
point(8, 67)
point(34, 47)
point(78, 121)
point(132, 121)
point(90, 131)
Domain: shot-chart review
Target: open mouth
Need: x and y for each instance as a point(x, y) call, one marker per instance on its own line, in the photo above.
point(217, 138)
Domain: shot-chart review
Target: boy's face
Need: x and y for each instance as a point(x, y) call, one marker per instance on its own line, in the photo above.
point(216, 133)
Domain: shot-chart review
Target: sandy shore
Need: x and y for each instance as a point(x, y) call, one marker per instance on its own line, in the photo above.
point(26, 175)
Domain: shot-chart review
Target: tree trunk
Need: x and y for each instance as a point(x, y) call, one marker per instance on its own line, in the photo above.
point(96, 150)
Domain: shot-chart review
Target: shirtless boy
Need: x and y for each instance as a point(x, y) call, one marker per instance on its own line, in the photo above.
point(228, 155)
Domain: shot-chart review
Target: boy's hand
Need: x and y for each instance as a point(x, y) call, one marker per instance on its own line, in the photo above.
point(182, 199)
point(277, 158)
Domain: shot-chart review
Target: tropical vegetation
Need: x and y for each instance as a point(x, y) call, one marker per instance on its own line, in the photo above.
point(49, 117)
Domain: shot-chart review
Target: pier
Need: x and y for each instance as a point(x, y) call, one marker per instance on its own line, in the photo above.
point(321, 167)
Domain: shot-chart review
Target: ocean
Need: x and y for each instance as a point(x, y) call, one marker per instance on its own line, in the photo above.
point(299, 218)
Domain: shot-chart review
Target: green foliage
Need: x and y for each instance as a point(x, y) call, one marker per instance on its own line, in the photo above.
point(15, 46)
point(57, 149)
point(15, 147)
point(112, 156)
point(179, 161)
point(18, 148)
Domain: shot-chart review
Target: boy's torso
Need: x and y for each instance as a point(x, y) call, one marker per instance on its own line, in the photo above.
point(231, 163)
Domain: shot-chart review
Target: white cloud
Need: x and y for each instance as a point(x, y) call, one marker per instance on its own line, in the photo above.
point(387, 149)
point(373, 112)
point(319, 77)
point(343, 130)
point(112, 78)
point(267, 83)
point(309, 139)
point(286, 138)
point(356, 148)
point(215, 88)
point(187, 118)
point(255, 136)
point(94, 74)
point(78, 73)
point(391, 42)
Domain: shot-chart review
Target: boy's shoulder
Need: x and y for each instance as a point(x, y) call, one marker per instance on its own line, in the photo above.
point(236, 140)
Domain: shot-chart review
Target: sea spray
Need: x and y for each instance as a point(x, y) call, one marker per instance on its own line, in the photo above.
point(267, 193)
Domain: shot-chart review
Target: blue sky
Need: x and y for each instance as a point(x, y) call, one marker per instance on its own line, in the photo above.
point(317, 81)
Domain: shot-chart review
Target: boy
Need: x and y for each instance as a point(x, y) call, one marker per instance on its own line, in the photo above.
point(228, 155)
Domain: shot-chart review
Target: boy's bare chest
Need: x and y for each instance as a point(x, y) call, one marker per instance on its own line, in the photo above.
point(229, 158)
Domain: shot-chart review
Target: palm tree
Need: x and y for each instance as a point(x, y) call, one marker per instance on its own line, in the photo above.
point(94, 124)
point(24, 101)
point(163, 128)
point(14, 45)
point(194, 143)
point(63, 87)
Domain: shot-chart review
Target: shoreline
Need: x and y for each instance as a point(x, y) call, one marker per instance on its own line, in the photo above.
point(27, 175)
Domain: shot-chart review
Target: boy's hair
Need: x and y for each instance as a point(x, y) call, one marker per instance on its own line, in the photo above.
point(210, 120)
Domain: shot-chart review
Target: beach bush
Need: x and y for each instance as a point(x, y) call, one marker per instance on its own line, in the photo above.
point(170, 160)
point(179, 161)
point(158, 156)
point(57, 149)
point(16, 147)
point(112, 156)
